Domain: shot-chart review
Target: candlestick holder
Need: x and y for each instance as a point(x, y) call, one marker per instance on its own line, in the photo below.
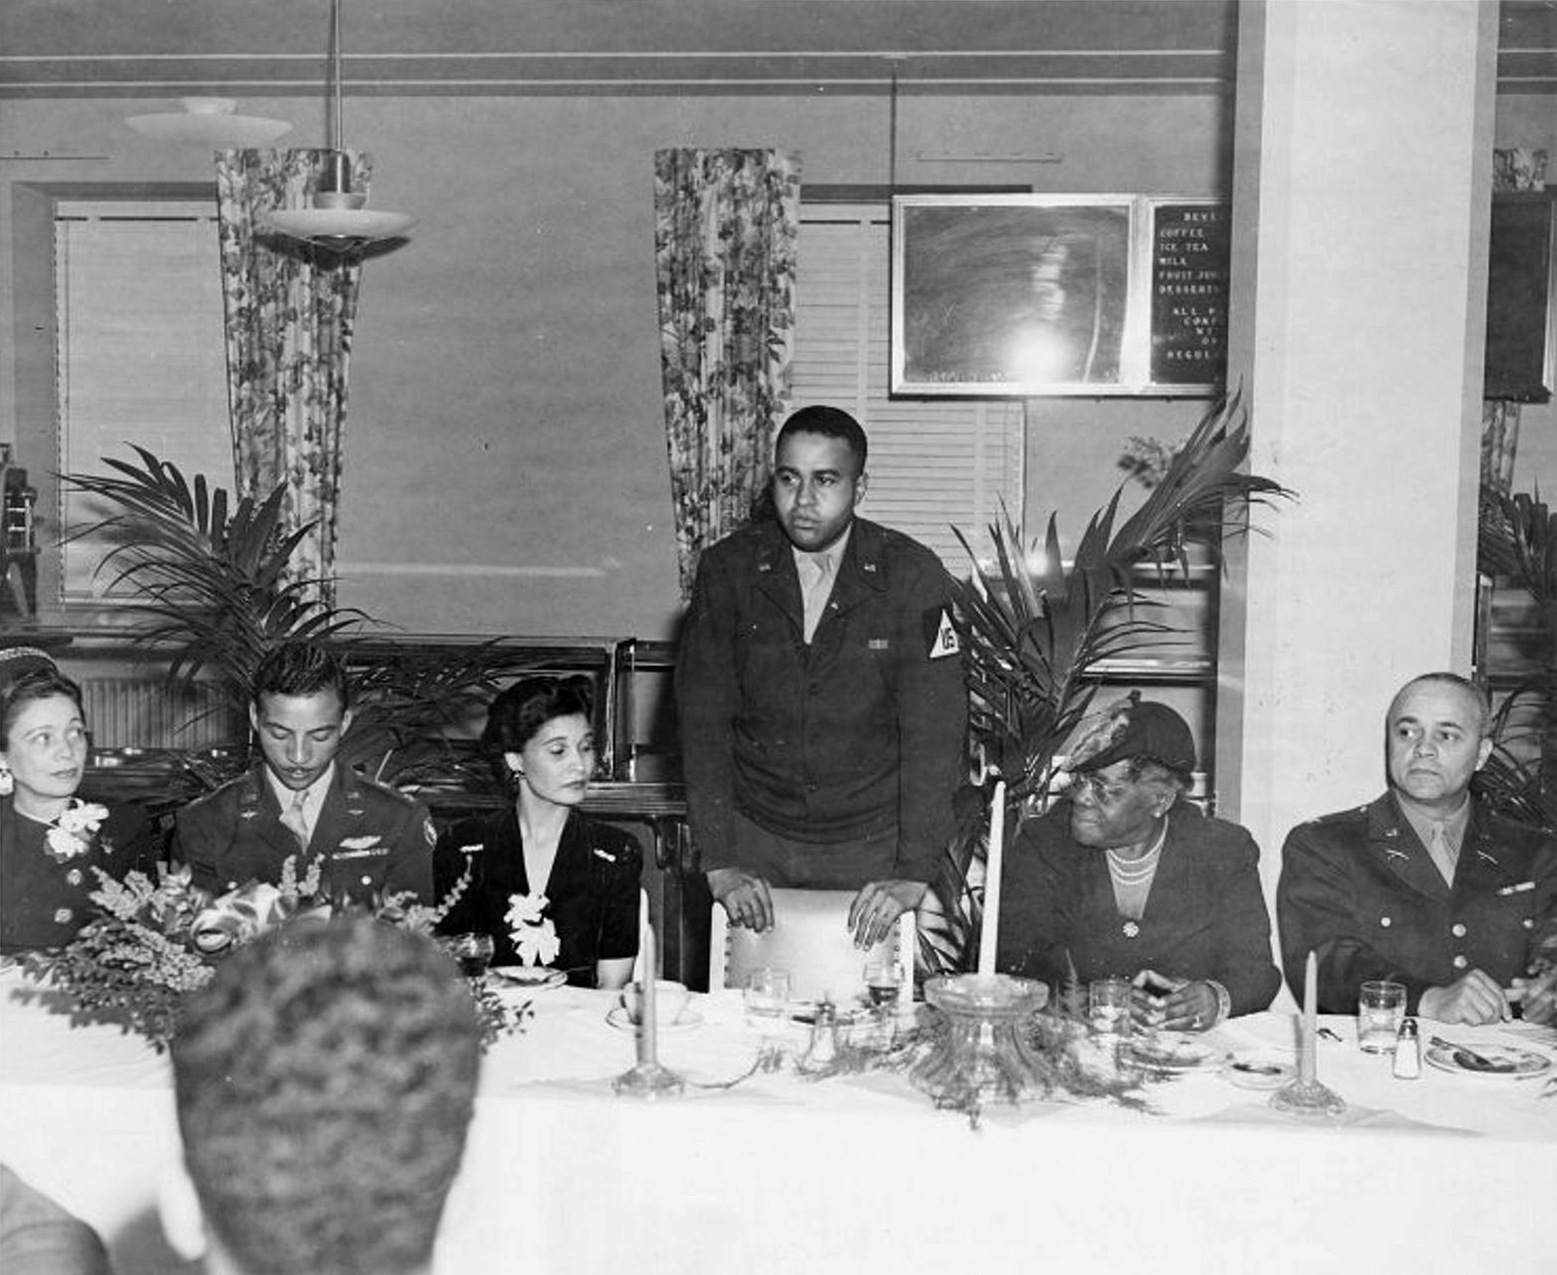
point(1308, 1100)
point(983, 1055)
point(649, 1080)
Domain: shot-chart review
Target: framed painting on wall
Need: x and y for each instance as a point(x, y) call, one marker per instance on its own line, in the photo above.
point(1010, 295)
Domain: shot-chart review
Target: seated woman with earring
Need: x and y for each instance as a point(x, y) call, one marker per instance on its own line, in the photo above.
point(51, 840)
point(540, 738)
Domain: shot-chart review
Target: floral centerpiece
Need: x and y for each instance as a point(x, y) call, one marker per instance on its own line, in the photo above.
point(156, 941)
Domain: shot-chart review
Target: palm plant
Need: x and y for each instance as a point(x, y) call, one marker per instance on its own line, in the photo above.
point(208, 587)
point(1518, 543)
point(1037, 634)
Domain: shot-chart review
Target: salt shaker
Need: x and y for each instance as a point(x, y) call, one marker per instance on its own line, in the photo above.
point(824, 1037)
point(1408, 1052)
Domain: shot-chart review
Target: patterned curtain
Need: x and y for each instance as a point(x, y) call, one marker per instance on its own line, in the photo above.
point(726, 236)
point(1514, 168)
point(290, 311)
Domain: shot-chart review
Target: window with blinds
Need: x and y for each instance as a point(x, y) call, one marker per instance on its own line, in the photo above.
point(934, 464)
point(142, 353)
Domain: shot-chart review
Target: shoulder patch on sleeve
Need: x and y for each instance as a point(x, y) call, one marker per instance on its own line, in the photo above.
point(940, 634)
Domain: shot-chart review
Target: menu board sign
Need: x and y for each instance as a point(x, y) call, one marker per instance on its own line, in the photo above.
point(1190, 265)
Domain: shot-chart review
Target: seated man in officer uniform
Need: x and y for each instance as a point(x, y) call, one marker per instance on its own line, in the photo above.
point(373, 841)
point(1425, 886)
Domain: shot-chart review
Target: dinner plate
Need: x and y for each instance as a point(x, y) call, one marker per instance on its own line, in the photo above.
point(534, 978)
point(688, 1018)
point(1514, 1064)
point(1168, 1053)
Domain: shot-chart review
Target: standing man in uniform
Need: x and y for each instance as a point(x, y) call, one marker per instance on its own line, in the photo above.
point(820, 693)
point(373, 840)
point(1423, 885)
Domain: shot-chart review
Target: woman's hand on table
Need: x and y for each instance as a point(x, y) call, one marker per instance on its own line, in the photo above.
point(1174, 1004)
point(745, 898)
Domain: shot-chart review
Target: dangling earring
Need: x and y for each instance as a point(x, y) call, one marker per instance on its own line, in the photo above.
point(7, 784)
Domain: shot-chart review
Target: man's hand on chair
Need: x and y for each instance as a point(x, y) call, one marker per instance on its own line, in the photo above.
point(745, 898)
point(878, 905)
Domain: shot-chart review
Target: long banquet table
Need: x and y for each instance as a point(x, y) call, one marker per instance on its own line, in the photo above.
point(860, 1173)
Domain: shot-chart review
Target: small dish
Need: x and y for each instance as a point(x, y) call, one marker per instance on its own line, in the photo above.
point(1257, 1073)
point(1506, 1062)
point(534, 978)
point(689, 1018)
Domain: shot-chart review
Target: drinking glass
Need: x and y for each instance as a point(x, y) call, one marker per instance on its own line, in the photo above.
point(766, 1000)
point(883, 984)
point(472, 951)
point(1108, 1006)
point(1381, 1008)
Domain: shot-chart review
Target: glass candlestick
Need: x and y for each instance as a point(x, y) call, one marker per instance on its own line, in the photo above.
point(1308, 1100)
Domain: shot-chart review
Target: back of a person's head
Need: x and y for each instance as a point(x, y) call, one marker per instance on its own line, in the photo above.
point(325, 1079)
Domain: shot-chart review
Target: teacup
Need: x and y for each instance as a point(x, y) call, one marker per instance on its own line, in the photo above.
point(670, 1000)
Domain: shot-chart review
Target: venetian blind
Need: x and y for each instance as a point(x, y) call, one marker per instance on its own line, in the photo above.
point(934, 463)
point(142, 355)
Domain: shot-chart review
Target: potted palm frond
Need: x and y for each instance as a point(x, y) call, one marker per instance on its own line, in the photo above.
point(1037, 632)
point(206, 583)
point(1518, 545)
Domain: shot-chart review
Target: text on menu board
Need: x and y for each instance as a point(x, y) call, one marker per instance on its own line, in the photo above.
point(1190, 267)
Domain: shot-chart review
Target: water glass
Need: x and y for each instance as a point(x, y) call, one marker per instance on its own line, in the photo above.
point(1381, 1008)
point(766, 999)
point(883, 983)
point(1108, 1006)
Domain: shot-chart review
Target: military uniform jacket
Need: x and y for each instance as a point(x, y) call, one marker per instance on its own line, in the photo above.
point(854, 735)
point(374, 841)
point(44, 901)
point(1205, 915)
point(1359, 889)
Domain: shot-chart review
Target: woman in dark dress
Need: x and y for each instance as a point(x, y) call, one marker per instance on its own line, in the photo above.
point(51, 839)
point(540, 737)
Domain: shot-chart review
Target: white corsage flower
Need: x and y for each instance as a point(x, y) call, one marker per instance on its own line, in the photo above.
point(71, 834)
point(533, 935)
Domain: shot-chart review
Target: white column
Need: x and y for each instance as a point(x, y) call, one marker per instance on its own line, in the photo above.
point(1361, 205)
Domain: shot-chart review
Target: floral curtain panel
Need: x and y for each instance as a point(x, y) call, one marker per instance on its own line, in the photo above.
point(726, 237)
point(290, 311)
point(1513, 168)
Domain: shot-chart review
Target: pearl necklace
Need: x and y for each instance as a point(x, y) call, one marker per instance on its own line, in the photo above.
point(1128, 872)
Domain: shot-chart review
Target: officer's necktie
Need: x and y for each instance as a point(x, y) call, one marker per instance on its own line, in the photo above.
point(815, 589)
point(294, 818)
point(1443, 855)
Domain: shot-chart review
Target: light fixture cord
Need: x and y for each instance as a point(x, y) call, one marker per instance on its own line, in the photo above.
point(335, 64)
point(892, 135)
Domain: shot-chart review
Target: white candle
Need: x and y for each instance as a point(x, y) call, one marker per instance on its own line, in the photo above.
point(994, 863)
point(1310, 1042)
point(647, 1017)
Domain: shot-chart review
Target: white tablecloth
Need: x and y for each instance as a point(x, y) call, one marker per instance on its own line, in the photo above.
point(1446, 1173)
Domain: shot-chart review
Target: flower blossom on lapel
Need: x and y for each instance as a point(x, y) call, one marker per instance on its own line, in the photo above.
point(533, 935)
point(71, 834)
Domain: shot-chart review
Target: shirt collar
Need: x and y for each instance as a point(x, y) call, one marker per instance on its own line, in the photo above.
point(313, 795)
point(833, 553)
point(1453, 825)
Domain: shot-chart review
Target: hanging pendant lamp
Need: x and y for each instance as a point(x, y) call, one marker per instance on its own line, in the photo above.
point(337, 218)
point(209, 122)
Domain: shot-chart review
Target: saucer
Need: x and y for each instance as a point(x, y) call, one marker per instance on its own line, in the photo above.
point(1508, 1063)
point(689, 1018)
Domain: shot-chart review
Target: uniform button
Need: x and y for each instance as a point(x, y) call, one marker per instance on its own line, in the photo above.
point(367, 880)
point(1458, 930)
point(1528, 923)
point(1460, 962)
point(74, 877)
point(1385, 922)
point(62, 916)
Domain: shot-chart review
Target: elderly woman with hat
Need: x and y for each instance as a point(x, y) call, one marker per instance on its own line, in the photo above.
point(51, 840)
point(1125, 878)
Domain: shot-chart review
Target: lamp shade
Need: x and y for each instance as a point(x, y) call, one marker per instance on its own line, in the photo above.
point(209, 122)
point(337, 224)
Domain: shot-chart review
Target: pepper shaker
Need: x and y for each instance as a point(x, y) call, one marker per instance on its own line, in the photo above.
point(1408, 1052)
